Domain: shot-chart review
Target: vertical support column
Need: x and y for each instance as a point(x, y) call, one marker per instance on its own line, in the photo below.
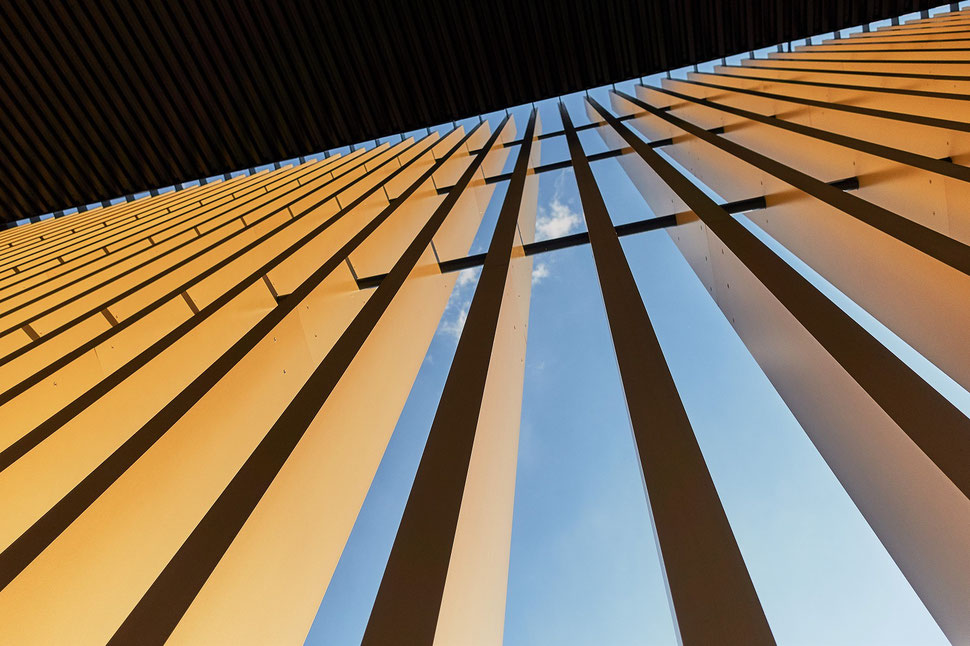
point(473, 601)
point(433, 558)
point(710, 591)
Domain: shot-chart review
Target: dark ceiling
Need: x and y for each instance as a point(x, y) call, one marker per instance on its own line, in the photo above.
point(100, 99)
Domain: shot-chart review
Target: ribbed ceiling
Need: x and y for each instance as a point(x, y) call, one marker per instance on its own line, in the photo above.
point(101, 99)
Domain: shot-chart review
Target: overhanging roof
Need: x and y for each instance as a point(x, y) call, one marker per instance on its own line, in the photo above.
point(102, 99)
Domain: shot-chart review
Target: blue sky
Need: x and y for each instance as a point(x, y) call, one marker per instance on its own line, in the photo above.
point(584, 566)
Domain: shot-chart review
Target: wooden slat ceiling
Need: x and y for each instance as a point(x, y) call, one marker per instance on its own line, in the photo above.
point(102, 99)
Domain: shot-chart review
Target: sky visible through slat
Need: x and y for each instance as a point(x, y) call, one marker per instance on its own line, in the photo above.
point(584, 567)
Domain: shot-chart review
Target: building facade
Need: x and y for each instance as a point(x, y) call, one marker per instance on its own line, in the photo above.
point(198, 386)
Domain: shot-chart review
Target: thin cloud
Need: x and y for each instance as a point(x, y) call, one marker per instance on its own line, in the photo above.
point(467, 277)
point(554, 220)
point(557, 220)
point(453, 327)
point(540, 271)
point(457, 309)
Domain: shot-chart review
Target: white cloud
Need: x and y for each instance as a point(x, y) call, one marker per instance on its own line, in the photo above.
point(467, 277)
point(457, 309)
point(453, 327)
point(556, 221)
point(558, 218)
point(540, 271)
